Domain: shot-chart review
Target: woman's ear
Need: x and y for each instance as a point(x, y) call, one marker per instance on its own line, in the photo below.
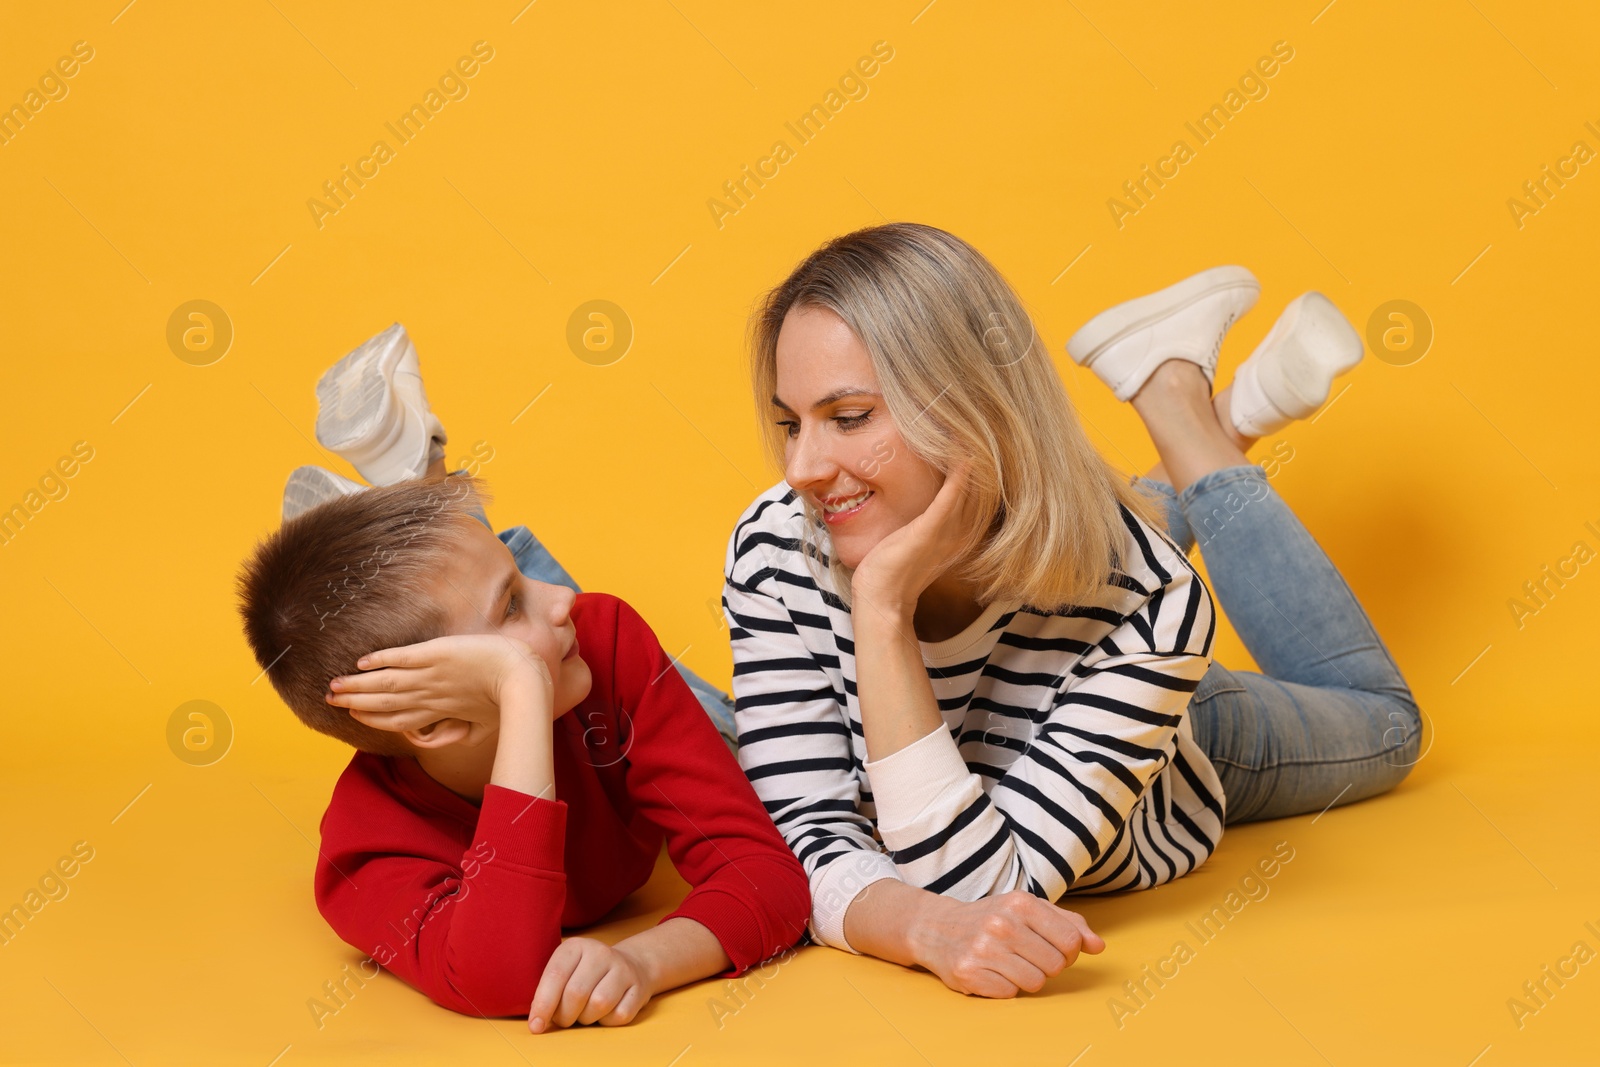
point(440, 734)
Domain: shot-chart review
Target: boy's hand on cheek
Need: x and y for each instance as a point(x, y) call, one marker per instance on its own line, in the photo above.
point(588, 981)
point(460, 676)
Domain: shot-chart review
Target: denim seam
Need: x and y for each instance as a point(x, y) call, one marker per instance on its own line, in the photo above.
point(1217, 692)
point(1163, 488)
point(1308, 762)
point(1222, 476)
point(1403, 694)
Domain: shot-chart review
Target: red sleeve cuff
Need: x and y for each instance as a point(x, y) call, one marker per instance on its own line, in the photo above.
point(731, 921)
point(524, 829)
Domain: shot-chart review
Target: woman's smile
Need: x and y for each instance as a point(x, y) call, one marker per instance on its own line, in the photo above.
point(837, 511)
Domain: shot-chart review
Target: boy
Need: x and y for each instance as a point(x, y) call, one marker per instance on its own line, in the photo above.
point(505, 785)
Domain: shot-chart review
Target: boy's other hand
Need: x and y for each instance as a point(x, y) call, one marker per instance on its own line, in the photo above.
point(588, 981)
point(459, 676)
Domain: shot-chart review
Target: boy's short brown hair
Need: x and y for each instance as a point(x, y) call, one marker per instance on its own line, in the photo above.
point(348, 577)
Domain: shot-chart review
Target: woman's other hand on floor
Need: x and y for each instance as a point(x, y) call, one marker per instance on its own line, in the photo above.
point(1002, 945)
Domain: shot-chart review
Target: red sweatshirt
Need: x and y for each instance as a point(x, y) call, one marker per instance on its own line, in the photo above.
point(466, 902)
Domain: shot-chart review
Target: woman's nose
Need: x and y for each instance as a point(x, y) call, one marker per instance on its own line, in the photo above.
point(807, 463)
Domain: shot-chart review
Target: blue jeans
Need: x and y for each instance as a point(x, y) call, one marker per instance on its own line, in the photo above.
point(1331, 720)
point(535, 561)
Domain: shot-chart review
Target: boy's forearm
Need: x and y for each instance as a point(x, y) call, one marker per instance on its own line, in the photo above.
point(522, 759)
point(675, 953)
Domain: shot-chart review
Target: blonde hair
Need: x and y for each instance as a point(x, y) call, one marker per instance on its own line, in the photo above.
point(964, 373)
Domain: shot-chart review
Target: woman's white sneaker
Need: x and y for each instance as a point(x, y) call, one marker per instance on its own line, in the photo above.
point(310, 486)
point(1291, 371)
point(1124, 345)
point(372, 410)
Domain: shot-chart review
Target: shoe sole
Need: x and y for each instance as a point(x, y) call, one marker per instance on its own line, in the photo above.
point(342, 427)
point(309, 486)
point(1319, 347)
point(1113, 324)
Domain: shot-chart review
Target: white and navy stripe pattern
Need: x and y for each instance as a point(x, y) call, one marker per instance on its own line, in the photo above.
point(1067, 764)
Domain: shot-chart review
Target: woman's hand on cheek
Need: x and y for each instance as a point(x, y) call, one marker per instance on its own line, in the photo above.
point(898, 568)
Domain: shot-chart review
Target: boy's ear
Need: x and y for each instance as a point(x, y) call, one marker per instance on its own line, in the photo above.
point(440, 734)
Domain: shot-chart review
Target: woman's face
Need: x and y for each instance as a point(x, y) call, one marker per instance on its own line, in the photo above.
point(844, 453)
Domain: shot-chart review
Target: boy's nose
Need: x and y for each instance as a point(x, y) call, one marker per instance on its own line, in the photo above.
point(563, 605)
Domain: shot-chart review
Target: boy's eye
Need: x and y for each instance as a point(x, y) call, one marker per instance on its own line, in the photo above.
point(512, 604)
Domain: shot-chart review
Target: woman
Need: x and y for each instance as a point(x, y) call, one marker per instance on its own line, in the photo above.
point(962, 697)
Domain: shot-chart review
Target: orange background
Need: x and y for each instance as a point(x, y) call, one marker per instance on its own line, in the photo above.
point(579, 166)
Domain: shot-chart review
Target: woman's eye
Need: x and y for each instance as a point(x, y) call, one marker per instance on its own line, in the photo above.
point(845, 422)
point(512, 605)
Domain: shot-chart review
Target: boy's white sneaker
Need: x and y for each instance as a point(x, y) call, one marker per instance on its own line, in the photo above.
point(372, 410)
point(310, 486)
point(1289, 374)
point(1124, 344)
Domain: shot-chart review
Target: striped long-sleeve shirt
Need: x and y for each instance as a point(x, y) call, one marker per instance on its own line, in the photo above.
point(1066, 763)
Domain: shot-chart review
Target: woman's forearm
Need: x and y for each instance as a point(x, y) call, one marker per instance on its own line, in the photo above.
point(896, 699)
point(884, 918)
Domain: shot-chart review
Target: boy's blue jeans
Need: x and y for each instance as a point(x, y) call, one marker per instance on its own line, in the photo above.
point(1331, 720)
point(534, 560)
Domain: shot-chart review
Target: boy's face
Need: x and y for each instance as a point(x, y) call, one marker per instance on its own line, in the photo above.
point(481, 591)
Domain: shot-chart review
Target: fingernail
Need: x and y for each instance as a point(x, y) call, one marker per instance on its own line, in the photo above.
point(336, 685)
point(536, 1024)
point(362, 662)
